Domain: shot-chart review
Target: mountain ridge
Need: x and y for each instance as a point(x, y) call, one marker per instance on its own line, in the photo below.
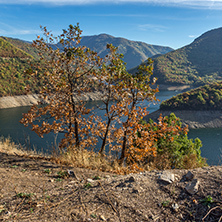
point(140, 50)
point(195, 64)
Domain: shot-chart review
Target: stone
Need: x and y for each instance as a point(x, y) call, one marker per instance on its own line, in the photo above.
point(175, 207)
point(127, 183)
point(136, 191)
point(167, 177)
point(130, 180)
point(102, 218)
point(121, 184)
point(130, 185)
point(90, 180)
point(72, 181)
point(72, 174)
point(189, 176)
point(192, 187)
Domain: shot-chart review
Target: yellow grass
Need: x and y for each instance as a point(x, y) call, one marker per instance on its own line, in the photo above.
point(76, 158)
point(91, 160)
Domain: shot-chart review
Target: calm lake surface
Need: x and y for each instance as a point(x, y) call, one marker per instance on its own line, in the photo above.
point(10, 126)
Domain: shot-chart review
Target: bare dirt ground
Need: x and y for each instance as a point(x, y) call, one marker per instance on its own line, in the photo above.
point(39, 190)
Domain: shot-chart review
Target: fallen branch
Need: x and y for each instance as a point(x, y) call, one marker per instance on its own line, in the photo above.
point(211, 211)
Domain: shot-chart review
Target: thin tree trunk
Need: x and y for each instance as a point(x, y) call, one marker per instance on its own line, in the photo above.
point(123, 153)
point(121, 159)
point(77, 133)
point(105, 137)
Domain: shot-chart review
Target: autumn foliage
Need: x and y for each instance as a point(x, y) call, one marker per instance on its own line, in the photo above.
point(75, 70)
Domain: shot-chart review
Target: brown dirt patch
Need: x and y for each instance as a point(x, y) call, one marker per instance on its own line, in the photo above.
point(31, 190)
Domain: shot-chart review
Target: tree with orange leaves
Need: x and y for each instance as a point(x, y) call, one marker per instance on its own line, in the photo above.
point(69, 74)
point(72, 70)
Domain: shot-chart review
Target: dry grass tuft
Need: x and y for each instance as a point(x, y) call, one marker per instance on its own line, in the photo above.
point(90, 160)
point(75, 158)
point(9, 147)
point(95, 161)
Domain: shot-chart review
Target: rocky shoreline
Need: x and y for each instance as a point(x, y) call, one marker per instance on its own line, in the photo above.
point(194, 119)
point(17, 101)
point(29, 100)
point(174, 88)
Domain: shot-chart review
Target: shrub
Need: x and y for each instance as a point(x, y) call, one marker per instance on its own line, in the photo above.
point(173, 147)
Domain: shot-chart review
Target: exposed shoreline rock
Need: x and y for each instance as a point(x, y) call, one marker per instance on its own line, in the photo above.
point(174, 88)
point(29, 100)
point(17, 101)
point(194, 119)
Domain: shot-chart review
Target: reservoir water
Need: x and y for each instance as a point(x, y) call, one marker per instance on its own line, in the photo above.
point(10, 127)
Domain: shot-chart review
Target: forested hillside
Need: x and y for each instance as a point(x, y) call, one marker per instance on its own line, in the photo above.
point(25, 46)
point(16, 56)
point(13, 63)
point(195, 64)
point(198, 63)
point(208, 97)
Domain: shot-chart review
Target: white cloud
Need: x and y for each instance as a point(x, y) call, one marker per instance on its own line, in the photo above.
point(191, 36)
point(213, 4)
point(10, 30)
point(18, 32)
point(156, 28)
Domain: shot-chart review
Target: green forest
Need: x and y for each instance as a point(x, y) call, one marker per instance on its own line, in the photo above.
point(196, 64)
point(207, 97)
point(14, 62)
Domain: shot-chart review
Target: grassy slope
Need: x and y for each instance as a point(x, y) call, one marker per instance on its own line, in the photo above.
point(8, 50)
point(13, 64)
point(208, 97)
point(25, 46)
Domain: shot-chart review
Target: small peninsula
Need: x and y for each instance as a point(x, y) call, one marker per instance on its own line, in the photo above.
point(197, 108)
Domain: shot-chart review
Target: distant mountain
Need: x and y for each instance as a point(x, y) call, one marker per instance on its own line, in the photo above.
point(17, 55)
point(134, 52)
point(195, 64)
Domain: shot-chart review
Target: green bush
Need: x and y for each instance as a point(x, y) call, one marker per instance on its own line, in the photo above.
point(176, 150)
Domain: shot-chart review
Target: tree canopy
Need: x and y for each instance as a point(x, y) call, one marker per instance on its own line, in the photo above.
point(73, 70)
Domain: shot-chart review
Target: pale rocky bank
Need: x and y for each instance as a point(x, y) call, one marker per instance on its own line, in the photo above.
point(16, 101)
point(29, 100)
point(192, 118)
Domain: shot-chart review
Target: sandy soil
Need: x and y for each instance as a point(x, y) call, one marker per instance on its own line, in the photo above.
point(39, 190)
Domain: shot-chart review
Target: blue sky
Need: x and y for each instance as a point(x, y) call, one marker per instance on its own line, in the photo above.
point(159, 22)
